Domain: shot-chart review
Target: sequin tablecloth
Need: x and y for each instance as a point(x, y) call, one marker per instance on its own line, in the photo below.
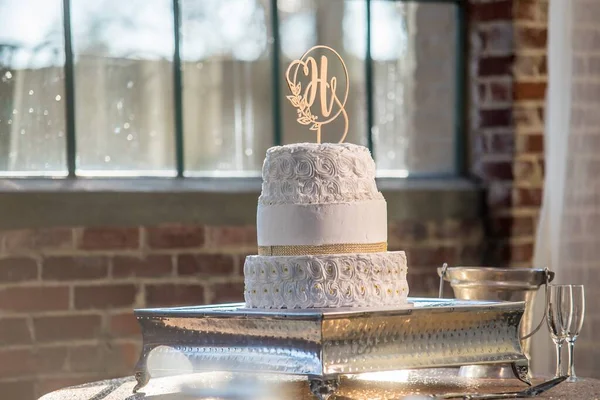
point(382, 386)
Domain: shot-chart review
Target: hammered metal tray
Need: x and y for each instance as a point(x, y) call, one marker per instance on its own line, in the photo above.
point(326, 343)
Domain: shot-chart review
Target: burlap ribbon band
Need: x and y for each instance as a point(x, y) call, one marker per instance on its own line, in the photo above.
point(302, 250)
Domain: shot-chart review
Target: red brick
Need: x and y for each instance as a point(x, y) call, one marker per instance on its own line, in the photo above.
point(431, 256)
point(114, 358)
point(227, 293)
point(105, 296)
point(495, 92)
point(121, 357)
point(495, 66)
point(533, 144)
point(16, 363)
point(31, 239)
point(74, 268)
point(502, 170)
point(153, 266)
point(526, 10)
point(31, 299)
point(529, 37)
point(526, 115)
point(527, 170)
point(14, 331)
point(18, 390)
point(109, 238)
point(50, 359)
point(23, 362)
point(117, 358)
point(226, 236)
point(408, 231)
point(124, 325)
point(18, 269)
point(86, 358)
point(175, 236)
point(18, 240)
point(209, 264)
point(68, 327)
point(495, 118)
point(512, 226)
point(529, 90)
point(174, 294)
point(522, 252)
point(54, 238)
point(523, 197)
point(500, 91)
point(530, 66)
point(486, 12)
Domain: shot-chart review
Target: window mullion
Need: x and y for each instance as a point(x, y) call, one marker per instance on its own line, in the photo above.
point(369, 80)
point(276, 69)
point(460, 129)
point(177, 90)
point(71, 144)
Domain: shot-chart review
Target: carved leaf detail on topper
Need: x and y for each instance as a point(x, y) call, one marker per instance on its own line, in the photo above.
point(309, 66)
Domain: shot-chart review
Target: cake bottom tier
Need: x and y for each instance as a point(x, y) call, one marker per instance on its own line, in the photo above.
point(324, 281)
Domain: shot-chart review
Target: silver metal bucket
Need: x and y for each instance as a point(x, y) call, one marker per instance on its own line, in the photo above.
point(504, 284)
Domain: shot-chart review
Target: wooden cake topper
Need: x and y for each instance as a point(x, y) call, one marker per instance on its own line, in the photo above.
point(316, 74)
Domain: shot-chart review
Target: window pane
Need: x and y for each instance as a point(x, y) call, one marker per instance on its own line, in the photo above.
point(414, 66)
point(124, 86)
point(32, 114)
point(338, 24)
point(227, 80)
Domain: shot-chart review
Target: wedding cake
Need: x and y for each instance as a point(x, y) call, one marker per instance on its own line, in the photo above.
point(322, 232)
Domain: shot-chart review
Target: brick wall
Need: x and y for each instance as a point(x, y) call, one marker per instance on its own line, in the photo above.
point(508, 76)
point(66, 295)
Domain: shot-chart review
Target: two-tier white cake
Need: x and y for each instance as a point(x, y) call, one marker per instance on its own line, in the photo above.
point(322, 232)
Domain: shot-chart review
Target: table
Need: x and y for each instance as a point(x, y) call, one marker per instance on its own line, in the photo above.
point(382, 386)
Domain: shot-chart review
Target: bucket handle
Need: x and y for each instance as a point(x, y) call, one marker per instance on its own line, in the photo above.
point(548, 276)
point(442, 276)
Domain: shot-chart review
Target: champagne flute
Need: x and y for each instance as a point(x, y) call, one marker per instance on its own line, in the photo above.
point(557, 317)
point(577, 298)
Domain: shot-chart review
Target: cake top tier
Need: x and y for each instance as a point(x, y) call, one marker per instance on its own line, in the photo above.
point(312, 173)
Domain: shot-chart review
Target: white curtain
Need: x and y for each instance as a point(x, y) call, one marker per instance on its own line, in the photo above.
point(568, 237)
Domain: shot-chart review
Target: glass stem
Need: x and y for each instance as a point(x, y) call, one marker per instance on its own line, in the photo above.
point(558, 358)
point(571, 370)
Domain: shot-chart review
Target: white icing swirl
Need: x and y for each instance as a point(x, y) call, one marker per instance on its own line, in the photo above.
point(337, 280)
point(304, 167)
point(308, 173)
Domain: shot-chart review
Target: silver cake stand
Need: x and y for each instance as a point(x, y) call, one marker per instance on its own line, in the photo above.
point(324, 344)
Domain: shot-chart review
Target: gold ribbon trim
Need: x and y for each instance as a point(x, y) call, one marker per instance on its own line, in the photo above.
point(303, 250)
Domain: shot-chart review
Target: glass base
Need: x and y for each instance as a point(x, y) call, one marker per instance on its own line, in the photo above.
point(573, 379)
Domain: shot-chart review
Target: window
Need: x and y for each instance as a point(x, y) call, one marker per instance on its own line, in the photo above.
point(196, 88)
